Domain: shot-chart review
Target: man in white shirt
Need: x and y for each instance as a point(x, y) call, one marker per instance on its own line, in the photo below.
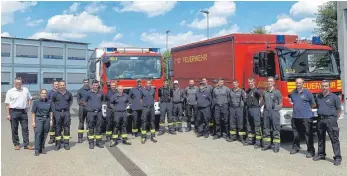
point(18, 101)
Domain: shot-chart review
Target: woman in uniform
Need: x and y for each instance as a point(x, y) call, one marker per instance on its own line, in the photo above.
point(41, 121)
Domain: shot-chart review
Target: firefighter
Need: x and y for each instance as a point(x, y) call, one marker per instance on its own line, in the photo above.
point(203, 98)
point(112, 92)
point(191, 107)
point(52, 129)
point(165, 99)
point(212, 120)
point(93, 103)
point(177, 111)
point(42, 119)
point(147, 98)
point(208, 87)
point(136, 106)
point(272, 105)
point(119, 104)
point(328, 110)
point(62, 101)
point(303, 102)
point(237, 103)
point(82, 113)
point(253, 99)
point(221, 96)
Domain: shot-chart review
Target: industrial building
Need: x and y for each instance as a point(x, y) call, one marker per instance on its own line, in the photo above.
point(342, 41)
point(39, 62)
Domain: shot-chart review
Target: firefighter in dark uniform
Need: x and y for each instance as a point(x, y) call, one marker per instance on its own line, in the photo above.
point(272, 106)
point(62, 101)
point(42, 119)
point(93, 103)
point(204, 99)
point(119, 103)
point(328, 110)
point(147, 97)
point(237, 103)
point(221, 97)
point(109, 111)
point(190, 98)
point(82, 113)
point(303, 102)
point(165, 99)
point(136, 106)
point(177, 111)
point(253, 99)
point(212, 120)
point(49, 97)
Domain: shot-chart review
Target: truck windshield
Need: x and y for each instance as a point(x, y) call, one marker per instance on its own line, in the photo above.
point(134, 67)
point(307, 63)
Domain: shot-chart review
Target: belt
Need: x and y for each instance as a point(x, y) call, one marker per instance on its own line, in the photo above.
point(148, 106)
point(120, 110)
point(16, 109)
point(62, 110)
point(326, 116)
point(176, 102)
point(95, 110)
point(42, 116)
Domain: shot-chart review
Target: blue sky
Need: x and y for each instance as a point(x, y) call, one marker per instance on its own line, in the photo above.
point(144, 23)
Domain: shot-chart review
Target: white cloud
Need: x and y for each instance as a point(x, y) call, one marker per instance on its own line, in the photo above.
point(305, 8)
point(233, 29)
point(286, 25)
point(118, 36)
point(31, 23)
point(95, 7)
point(73, 8)
point(174, 40)
point(8, 8)
point(57, 36)
point(182, 23)
point(104, 44)
point(5, 34)
point(151, 8)
point(80, 23)
point(218, 15)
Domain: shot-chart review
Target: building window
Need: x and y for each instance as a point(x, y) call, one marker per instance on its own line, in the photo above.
point(5, 78)
point(75, 78)
point(76, 54)
point(5, 50)
point(27, 51)
point(27, 78)
point(53, 53)
point(49, 77)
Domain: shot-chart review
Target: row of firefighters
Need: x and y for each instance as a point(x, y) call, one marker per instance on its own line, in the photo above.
point(212, 110)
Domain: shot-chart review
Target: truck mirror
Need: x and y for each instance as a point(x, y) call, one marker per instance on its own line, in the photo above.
point(92, 66)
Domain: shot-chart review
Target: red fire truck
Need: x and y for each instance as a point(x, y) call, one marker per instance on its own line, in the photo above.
point(126, 65)
point(240, 56)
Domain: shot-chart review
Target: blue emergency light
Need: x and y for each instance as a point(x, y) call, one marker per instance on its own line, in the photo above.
point(280, 39)
point(111, 49)
point(316, 40)
point(154, 49)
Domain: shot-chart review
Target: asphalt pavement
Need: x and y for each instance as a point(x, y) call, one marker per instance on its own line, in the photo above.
point(182, 154)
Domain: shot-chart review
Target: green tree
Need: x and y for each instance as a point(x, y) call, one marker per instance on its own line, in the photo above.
point(259, 30)
point(327, 23)
point(166, 56)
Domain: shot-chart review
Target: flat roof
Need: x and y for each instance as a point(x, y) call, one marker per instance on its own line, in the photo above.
point(47, 40)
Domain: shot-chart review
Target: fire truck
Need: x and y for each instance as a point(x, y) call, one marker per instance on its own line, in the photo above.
point(126, 65)
point(240, 56)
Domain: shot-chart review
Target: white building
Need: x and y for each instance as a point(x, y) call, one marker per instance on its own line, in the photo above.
point(342, 41)
point(41, 61)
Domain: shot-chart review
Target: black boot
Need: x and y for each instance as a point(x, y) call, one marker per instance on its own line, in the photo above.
point(126, 141)
point(161, 132)
point(99, 143)
point(189, 127)
point(80, 137)
point(57, 145)
point(266, 147)
point(91, 144)
point(143, 140)
point(66, 144)
point(153, 139)
point(114, 142)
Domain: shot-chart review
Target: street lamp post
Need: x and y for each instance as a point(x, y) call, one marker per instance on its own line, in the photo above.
point(207, 13)
point(167, 40)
